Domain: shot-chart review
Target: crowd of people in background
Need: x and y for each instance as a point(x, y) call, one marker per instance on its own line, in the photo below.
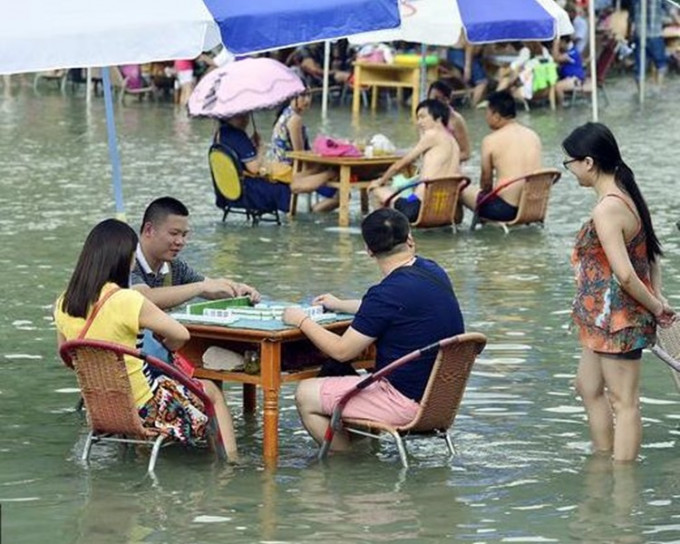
point(471, 71)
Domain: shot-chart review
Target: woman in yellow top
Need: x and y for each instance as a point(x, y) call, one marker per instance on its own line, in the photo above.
point(104, 266)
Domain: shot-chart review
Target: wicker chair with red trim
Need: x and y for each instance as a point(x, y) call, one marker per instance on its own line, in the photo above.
point(438, 407)
point(439, 202)
point(533, 202)
point(111, 411)
point(667, 348)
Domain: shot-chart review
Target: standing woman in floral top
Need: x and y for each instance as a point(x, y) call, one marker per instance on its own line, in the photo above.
point(618, 301)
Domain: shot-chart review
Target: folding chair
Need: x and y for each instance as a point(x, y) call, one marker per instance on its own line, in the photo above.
point(439, 405)
point(58, 76)
point(230, 196)
point(439, 203)
point(667, 348)
point(111, 411)
point(121, 84)
point(533, 203)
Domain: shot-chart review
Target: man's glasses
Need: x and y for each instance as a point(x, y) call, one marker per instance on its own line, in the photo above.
point(566, 163)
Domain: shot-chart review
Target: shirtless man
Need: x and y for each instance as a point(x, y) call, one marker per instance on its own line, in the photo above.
point(440, 159)
point(457, 125)
point(511, 150)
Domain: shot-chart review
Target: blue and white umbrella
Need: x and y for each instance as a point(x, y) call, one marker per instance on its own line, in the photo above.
point(38, 35)
point(441, 22)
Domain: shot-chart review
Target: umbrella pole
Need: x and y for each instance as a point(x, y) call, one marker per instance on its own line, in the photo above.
point(326, 72)
point(593, 57)
point(113, 145)
point(642, 51)
point(423, 74)
point(252, 120)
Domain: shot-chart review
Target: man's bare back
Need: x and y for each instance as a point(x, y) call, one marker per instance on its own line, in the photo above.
point(441, 158)
point(509, 152)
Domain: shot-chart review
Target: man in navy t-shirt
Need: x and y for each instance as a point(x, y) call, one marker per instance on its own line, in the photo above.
point(414, 305)
point(262, 194)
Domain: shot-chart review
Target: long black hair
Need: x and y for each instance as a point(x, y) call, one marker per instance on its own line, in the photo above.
point(596, 141)
point(287, 103)
point(106, 257)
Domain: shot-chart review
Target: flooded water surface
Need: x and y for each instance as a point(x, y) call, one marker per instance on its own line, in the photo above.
point(523, 472)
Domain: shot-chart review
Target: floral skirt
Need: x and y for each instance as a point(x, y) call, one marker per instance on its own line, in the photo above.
point(175, 411)
point(622, 341)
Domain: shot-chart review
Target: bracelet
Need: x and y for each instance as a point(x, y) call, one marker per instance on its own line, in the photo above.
point(303, 320)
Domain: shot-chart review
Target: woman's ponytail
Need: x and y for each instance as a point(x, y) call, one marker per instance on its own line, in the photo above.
point(625, 179)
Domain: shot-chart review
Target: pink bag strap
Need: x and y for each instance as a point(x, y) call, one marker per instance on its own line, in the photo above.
point(95, 311)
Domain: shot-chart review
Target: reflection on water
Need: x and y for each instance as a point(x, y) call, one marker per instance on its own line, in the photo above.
point(523, 473)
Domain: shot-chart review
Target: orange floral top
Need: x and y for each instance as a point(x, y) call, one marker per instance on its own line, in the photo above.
point(608, 318)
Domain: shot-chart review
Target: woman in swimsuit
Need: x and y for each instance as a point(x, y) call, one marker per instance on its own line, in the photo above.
point(618, 301)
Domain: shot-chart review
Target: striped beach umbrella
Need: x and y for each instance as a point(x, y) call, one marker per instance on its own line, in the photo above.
point(40, 35)
point(441, 22)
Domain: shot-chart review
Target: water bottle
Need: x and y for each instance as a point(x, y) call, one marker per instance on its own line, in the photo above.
point(251, 362)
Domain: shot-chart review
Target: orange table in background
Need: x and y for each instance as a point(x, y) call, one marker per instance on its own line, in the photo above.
point(394, 76)
point(363, 169)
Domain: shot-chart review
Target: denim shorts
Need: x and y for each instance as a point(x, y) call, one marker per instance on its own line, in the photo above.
point(656, 51)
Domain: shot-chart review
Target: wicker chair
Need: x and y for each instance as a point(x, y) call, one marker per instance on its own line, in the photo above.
point(105, 387)
point(439, 201)
point(667, 348)
point(533, 203)
point(438, 407)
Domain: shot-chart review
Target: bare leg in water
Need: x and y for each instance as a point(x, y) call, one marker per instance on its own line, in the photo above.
point(309, 180)
point(609, 388)
point(224, 420)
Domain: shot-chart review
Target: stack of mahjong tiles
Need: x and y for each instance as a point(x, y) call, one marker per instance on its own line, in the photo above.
point(228, 311)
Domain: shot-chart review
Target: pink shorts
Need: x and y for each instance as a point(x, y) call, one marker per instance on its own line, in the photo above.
point(379, 401)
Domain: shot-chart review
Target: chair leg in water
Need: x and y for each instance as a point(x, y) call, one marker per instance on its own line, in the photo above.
point(402, 449)
point(449, 444)
point(154, 453)
point(88, 447)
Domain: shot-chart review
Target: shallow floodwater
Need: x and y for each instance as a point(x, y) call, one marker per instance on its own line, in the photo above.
point(523, 472)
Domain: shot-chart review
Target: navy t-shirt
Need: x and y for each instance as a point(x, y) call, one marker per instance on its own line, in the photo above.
point(406, 311)
point(237, 140)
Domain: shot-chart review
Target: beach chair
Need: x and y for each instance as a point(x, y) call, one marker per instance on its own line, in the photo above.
point(57, 76)
point(533, 203)
point(121, 85)
point(667, 348)
point(439, 201)
point(227, 178)
point(438, 407)
point(111, 411)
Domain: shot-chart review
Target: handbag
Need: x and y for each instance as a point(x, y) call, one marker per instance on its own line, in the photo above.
point(332, 147)
point(154, 347)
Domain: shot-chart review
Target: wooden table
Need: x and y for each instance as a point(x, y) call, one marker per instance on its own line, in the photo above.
point(399, 76)
point(363, 168)
point(271, 346)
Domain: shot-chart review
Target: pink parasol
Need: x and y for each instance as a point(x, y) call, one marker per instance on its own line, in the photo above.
point(244, 86)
